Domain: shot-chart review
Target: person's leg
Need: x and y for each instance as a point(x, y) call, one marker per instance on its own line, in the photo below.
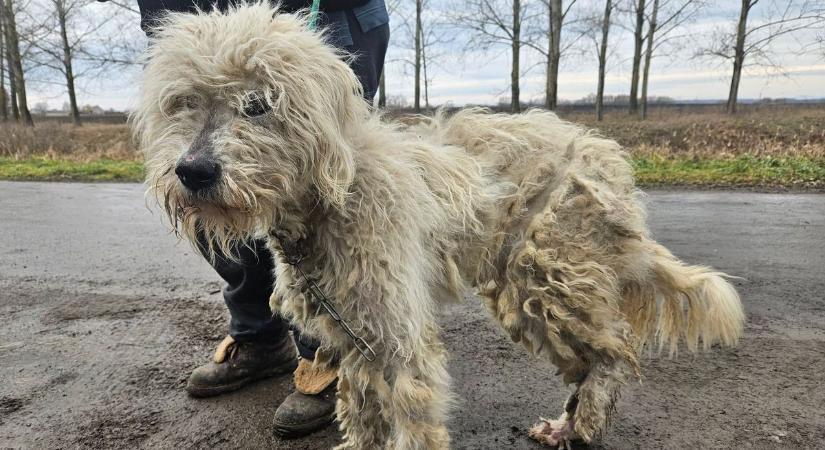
point(249, 281)
point(259, 344)
point(369, 49)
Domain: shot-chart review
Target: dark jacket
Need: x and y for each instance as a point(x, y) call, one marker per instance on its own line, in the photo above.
point(369, 13)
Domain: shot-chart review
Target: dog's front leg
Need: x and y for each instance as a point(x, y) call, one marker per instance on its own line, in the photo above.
point(358, 409)
point(395, 403)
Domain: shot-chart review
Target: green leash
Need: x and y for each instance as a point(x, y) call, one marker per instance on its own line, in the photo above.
point(313, 14)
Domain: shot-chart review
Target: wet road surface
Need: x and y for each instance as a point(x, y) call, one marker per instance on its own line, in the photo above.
point(104, 313)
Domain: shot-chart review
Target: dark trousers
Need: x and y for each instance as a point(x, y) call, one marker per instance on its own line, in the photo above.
point(249, 281)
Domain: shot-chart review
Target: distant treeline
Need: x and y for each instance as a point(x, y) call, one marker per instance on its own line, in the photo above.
point(48, 43)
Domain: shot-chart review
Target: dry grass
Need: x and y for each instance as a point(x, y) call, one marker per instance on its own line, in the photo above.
point(797, 131)
point(762, 146)
point(788, 131)
point(57, 141)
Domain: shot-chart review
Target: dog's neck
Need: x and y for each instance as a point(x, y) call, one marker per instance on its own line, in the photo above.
point(299, 217)
point(297, 220)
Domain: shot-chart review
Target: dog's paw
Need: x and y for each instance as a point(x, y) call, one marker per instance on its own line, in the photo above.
point(344, 446)
point(555, 433)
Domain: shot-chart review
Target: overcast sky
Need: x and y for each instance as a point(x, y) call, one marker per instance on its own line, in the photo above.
point(462, 75)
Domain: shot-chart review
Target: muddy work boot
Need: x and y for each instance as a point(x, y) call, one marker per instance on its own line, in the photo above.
point(312, 406)
point(237, 364)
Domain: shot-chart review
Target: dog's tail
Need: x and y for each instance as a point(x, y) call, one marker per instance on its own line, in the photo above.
point(682, 302)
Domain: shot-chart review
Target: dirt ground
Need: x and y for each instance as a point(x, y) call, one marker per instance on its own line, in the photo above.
point(104, 315)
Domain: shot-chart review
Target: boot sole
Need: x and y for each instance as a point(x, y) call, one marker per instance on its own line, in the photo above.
point(211, 391)
point(294, 431)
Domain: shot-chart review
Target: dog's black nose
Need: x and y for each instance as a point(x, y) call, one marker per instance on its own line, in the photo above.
point(196, 172)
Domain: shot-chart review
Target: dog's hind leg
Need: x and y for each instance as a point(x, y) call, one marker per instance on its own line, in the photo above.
point(587, 410)
point(568, 322)
point(592, 351)
point(559, 297)
point(560, 431)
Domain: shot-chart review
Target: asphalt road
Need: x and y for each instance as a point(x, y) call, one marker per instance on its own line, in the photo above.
point(104, 313)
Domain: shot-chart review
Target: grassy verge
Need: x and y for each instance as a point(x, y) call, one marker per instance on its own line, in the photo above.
point(743, 170)
point(43, 169)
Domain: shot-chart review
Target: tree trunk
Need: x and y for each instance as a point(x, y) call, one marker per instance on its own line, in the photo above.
point(608, 7)
point(67, 62)
point(553, 54)
point(424, 68)
point(515, 105)
point(418, 55)
point(651, 31)
point(4, 106)
point(739, 56)
point(637, 56)
point(16, 64)
point(15, 113)
point(382, 91)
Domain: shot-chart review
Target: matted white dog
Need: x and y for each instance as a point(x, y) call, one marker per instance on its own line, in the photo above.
point(266, 128)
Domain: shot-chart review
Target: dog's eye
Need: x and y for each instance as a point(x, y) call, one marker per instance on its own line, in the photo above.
point(255, 106)
point(186, 102)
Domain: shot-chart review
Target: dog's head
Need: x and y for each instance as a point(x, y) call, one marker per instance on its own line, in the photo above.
point(241, 113)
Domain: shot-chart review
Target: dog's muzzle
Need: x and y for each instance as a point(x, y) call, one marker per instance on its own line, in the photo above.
point(197, 172)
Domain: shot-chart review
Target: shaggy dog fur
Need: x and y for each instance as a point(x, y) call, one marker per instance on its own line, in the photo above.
point(539, 215)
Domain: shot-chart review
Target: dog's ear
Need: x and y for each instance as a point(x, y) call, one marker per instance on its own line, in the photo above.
point(323, 105)
point(334, 167)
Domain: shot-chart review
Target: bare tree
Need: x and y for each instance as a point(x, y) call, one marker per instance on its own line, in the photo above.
point(557, 14)
point(393, 9)
point(382, 91)
point(435, 37)
point(125, 6)
point(515, 42)
point(497, 23)
point(595, 23)
point(550, 38)
point(4, 107)
point(651, 33)
point(739, 54)
point(418, 37)
point(15, 61)
point(674, 14)
point(63, 10)
point(608, 8)
point(76, 42)
point(556, 18)
point(423, 66)
point(7, 65)
point(753, 45)
point(15, 113)
point(638, 40)
point(422, 31)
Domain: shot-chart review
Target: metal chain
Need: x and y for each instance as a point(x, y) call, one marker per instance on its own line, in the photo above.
point(294, 258)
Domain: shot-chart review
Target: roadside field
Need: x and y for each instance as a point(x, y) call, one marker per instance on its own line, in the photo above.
point(765, 146)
